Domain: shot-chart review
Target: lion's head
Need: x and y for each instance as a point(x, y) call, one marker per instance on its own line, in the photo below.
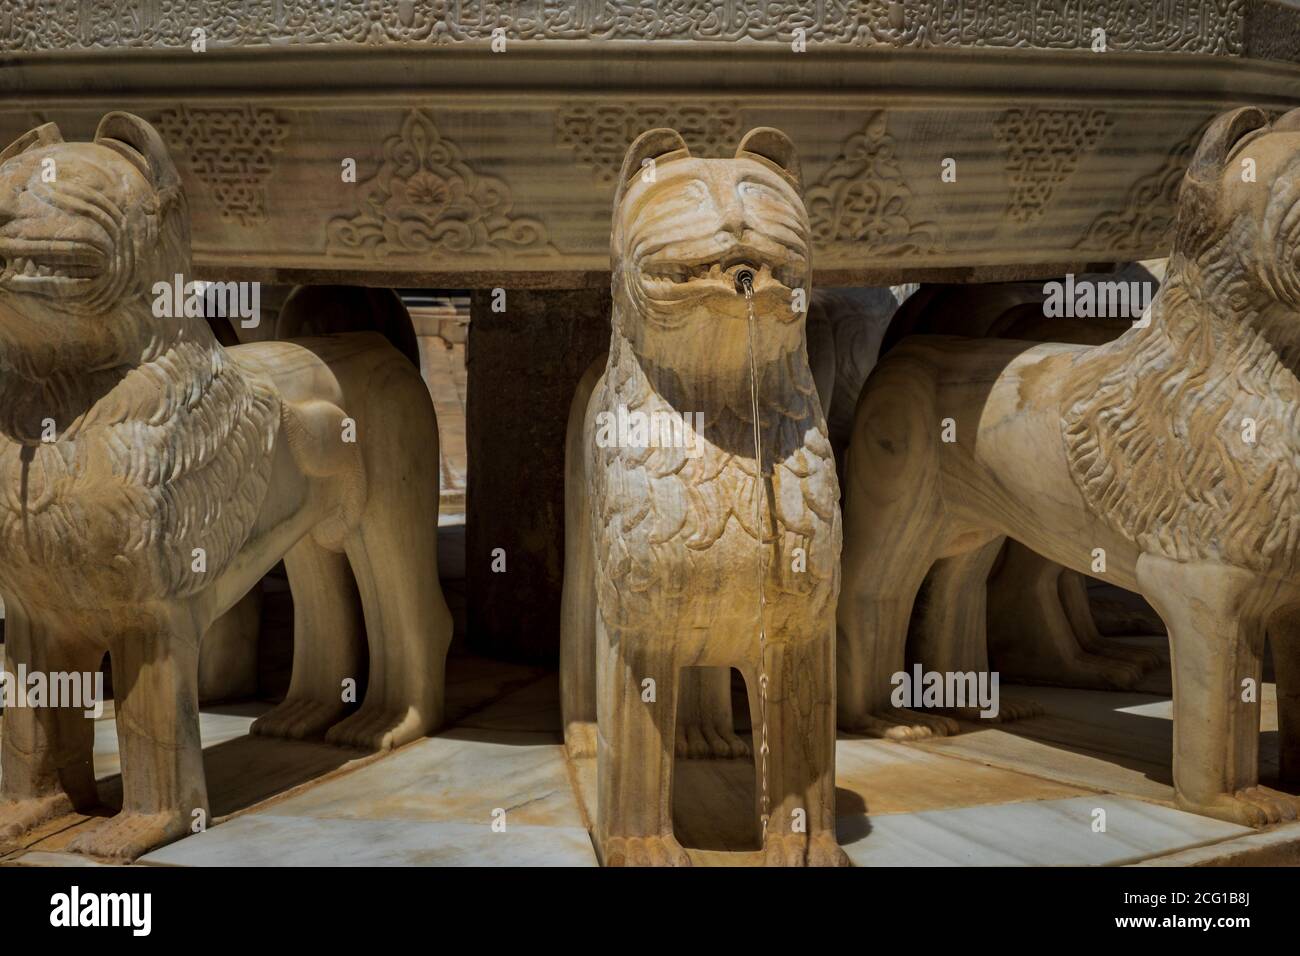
point(86, 229)
point(1239, 211)
point(686, 231)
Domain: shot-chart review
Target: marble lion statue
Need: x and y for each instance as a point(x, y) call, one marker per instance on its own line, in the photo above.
point(701, 553)
point(705, 722)
point(149, 478)
point(1039, 624)
point(1171, 452)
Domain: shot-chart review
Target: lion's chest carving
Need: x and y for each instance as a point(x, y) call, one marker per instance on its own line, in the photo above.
point(687, 531)
point(165, 503)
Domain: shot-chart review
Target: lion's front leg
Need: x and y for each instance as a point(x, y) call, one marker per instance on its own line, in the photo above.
point(164, 791)
point(796, 774)
point(1216, 645)
point(635, 751)
point(46, 753)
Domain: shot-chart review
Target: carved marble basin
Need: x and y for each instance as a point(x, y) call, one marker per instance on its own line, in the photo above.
point(476, 168)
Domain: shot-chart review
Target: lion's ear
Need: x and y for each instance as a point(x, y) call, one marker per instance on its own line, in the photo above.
point(775, 147)
point(139, 143)
point(44, 135)
point(1288, 122)
point(1222, 135)
point(653, 144)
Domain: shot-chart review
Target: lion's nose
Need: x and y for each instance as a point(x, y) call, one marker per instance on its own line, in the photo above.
point(731, 217)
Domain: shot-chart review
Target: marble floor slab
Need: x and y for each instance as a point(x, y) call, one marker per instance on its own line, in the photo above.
point(1117, 742)
point(271, 839)
point(466, 797)
point(1039, 833)
point(244, 771)
point(886, 777)
point(461, 776)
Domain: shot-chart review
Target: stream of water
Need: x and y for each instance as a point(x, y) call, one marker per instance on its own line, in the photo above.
point(760, 477)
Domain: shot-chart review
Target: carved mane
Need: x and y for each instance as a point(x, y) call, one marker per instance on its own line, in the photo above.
point(1156, 422)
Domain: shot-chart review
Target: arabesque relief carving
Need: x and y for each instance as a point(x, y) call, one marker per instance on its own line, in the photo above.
point(863, 200)
point(425, 200)
point(600, 134)
point(1182, 26)
point(1043, 147)
point(229, 149)
point(1146, 218)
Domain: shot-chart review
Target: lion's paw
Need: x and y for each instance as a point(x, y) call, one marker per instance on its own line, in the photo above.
point(1103, 672)
point(644, 851)
point(298, 718)
point(1143, 657)
point(1251, 806)
point(1011, 707)
point(377, 729)
point(19, 817)
point(799, 849)
point(898, 723)
point(707, 739)
point(125, 837)
point(580, 738)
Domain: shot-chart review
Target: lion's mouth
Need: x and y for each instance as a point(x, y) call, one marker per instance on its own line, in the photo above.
point(675, 277)
point(46, 263)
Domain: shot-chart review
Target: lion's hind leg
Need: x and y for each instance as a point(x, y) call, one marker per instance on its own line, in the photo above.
point(705, 726)
point(327, 642)
point(1074, 599)
point(893, 532)
point(578, 642)
point(950, 627)
point(1036, 637)
point(393, 551)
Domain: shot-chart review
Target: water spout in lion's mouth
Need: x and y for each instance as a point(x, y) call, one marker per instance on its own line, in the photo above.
point(745, 283)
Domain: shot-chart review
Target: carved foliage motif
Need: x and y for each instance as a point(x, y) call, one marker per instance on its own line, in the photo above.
point(1146, 220)
point(1174, 26)
point(426, 201)
point(229, 149)
point(600, 135)
point(1042, 148)
point(862, 197)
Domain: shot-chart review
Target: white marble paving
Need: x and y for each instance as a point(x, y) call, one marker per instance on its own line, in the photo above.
point(461, 776)
point(430, 803)
point(1038, 833)
point(270, 839)
point(217, 725)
